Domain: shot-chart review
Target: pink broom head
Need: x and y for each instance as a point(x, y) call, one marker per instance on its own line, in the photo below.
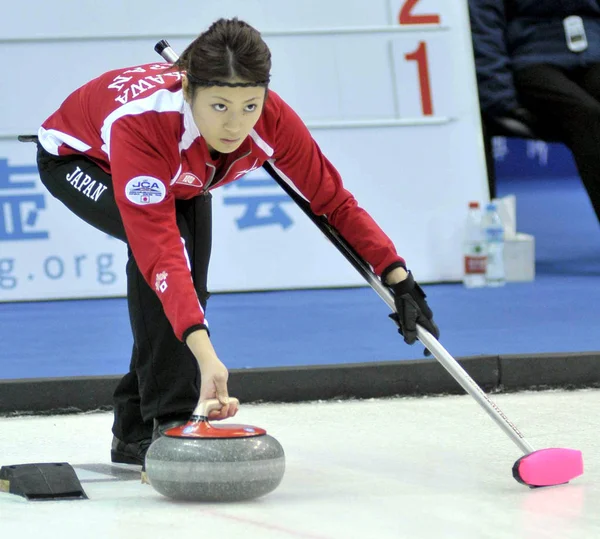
point(548, 467)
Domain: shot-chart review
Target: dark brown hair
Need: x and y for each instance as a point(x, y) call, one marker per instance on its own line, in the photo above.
point(229, 49)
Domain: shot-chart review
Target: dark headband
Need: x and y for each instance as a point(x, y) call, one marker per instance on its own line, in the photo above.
point(206, 82)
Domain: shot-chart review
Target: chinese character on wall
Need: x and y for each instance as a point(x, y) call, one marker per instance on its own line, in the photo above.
point(262, 199)
point(19, 204)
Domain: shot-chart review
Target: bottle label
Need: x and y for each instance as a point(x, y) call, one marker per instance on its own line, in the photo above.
point(494, 235)
point(475, 264)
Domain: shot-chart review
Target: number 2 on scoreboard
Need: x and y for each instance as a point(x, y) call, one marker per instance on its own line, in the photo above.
point(406, 16)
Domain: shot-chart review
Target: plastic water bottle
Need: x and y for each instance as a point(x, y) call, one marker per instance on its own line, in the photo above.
point(493, 232)
point(474, 249)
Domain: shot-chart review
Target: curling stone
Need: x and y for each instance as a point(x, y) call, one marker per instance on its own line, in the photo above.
point(201, 461)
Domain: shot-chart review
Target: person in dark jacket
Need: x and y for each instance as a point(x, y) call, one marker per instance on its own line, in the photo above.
point(538, 61)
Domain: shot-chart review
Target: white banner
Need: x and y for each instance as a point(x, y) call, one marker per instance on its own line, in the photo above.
point(394, 108)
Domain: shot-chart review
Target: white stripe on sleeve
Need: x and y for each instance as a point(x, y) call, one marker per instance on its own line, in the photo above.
point(51, 139)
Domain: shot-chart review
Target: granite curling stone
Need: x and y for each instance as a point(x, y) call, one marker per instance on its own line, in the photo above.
point(204, 462)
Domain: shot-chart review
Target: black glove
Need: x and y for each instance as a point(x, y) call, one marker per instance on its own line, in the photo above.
point(412, 309)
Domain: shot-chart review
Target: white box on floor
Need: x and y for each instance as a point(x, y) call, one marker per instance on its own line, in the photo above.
point(519, 258)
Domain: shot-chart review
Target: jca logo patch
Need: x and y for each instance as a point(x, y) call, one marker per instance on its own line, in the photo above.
point(145, 190)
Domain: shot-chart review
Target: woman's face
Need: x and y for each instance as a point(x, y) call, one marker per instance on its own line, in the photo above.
point(225, 116)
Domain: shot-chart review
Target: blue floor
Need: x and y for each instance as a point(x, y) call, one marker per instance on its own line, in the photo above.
point(556, 313)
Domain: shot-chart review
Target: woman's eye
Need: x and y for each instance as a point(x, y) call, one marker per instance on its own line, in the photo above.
point(251, 107)
point(219, 107)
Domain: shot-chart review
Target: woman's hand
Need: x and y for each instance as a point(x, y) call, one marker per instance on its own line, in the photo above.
point(213, 385)
point(412, 309)
point(213, 374)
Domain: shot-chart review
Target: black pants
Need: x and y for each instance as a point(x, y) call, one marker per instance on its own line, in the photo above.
point(163, 377)
point(568, 103)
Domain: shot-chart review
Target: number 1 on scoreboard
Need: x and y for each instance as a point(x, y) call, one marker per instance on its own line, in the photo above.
point(420, 56)
point(422, 67)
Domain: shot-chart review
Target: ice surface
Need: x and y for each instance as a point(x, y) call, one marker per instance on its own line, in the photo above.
point(413, 468)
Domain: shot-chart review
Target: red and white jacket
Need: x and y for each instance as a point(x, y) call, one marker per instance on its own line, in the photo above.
point(135, 124)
